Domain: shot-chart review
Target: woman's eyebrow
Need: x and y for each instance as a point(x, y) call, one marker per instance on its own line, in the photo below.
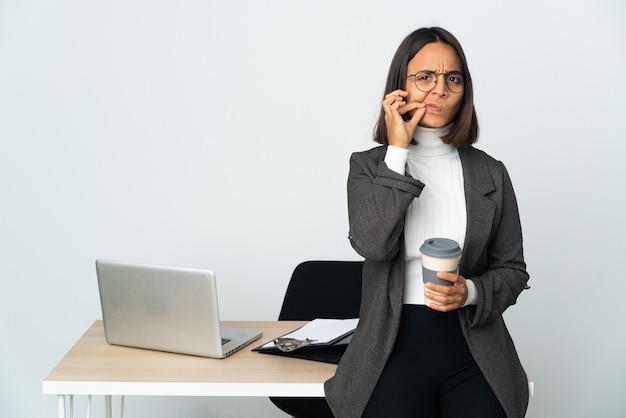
point(435, 72)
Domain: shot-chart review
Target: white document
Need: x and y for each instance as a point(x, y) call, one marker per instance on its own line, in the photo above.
point(321, 330)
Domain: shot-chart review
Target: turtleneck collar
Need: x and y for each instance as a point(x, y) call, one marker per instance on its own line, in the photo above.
point(429, 143)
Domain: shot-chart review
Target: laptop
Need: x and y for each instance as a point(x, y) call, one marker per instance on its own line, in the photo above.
point(165, 308)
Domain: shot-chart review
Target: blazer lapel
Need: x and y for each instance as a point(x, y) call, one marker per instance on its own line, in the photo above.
point(480, 210)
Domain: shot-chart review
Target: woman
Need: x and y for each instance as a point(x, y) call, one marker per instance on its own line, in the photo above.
point(431, 350)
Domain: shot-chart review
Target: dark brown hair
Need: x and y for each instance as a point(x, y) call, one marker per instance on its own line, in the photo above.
point(464, 130)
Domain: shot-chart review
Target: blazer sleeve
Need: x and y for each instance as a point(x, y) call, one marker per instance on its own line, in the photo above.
point(378, 198)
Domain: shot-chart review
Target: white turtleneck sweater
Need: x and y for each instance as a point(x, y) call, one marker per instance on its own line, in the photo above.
point(439, 211)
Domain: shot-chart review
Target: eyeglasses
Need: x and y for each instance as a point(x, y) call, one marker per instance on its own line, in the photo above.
point(426, 81)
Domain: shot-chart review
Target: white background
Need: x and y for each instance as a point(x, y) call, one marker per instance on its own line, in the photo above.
point(217, 134)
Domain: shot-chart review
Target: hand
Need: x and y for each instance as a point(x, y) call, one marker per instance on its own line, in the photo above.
point(447, 298)
point(399, 131)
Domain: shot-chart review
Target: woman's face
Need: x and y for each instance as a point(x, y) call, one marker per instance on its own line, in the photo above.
point(442, 105)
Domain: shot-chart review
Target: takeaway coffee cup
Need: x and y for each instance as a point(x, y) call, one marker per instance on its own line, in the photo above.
point(439, 254)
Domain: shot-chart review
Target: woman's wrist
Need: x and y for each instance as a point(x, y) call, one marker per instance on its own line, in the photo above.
point(471, 293)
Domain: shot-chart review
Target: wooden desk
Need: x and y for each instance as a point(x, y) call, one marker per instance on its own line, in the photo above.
point(94, 367)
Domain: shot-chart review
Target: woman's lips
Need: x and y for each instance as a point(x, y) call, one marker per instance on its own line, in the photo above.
point(433, 108)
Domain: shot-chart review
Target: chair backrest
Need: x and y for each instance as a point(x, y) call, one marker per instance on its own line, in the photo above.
point(323, 289)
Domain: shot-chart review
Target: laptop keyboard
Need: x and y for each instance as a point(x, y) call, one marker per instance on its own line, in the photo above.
point(225, 340)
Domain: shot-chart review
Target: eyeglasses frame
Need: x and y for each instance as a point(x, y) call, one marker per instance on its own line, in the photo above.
point(437, 80)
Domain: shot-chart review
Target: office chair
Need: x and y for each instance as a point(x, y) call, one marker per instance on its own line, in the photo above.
point(319, 289)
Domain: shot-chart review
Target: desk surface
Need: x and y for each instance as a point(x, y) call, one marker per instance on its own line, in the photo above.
point(94, 367)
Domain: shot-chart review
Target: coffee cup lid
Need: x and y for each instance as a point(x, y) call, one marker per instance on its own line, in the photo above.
point(441, 248)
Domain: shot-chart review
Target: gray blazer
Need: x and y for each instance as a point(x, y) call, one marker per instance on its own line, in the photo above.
point(492, 257)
